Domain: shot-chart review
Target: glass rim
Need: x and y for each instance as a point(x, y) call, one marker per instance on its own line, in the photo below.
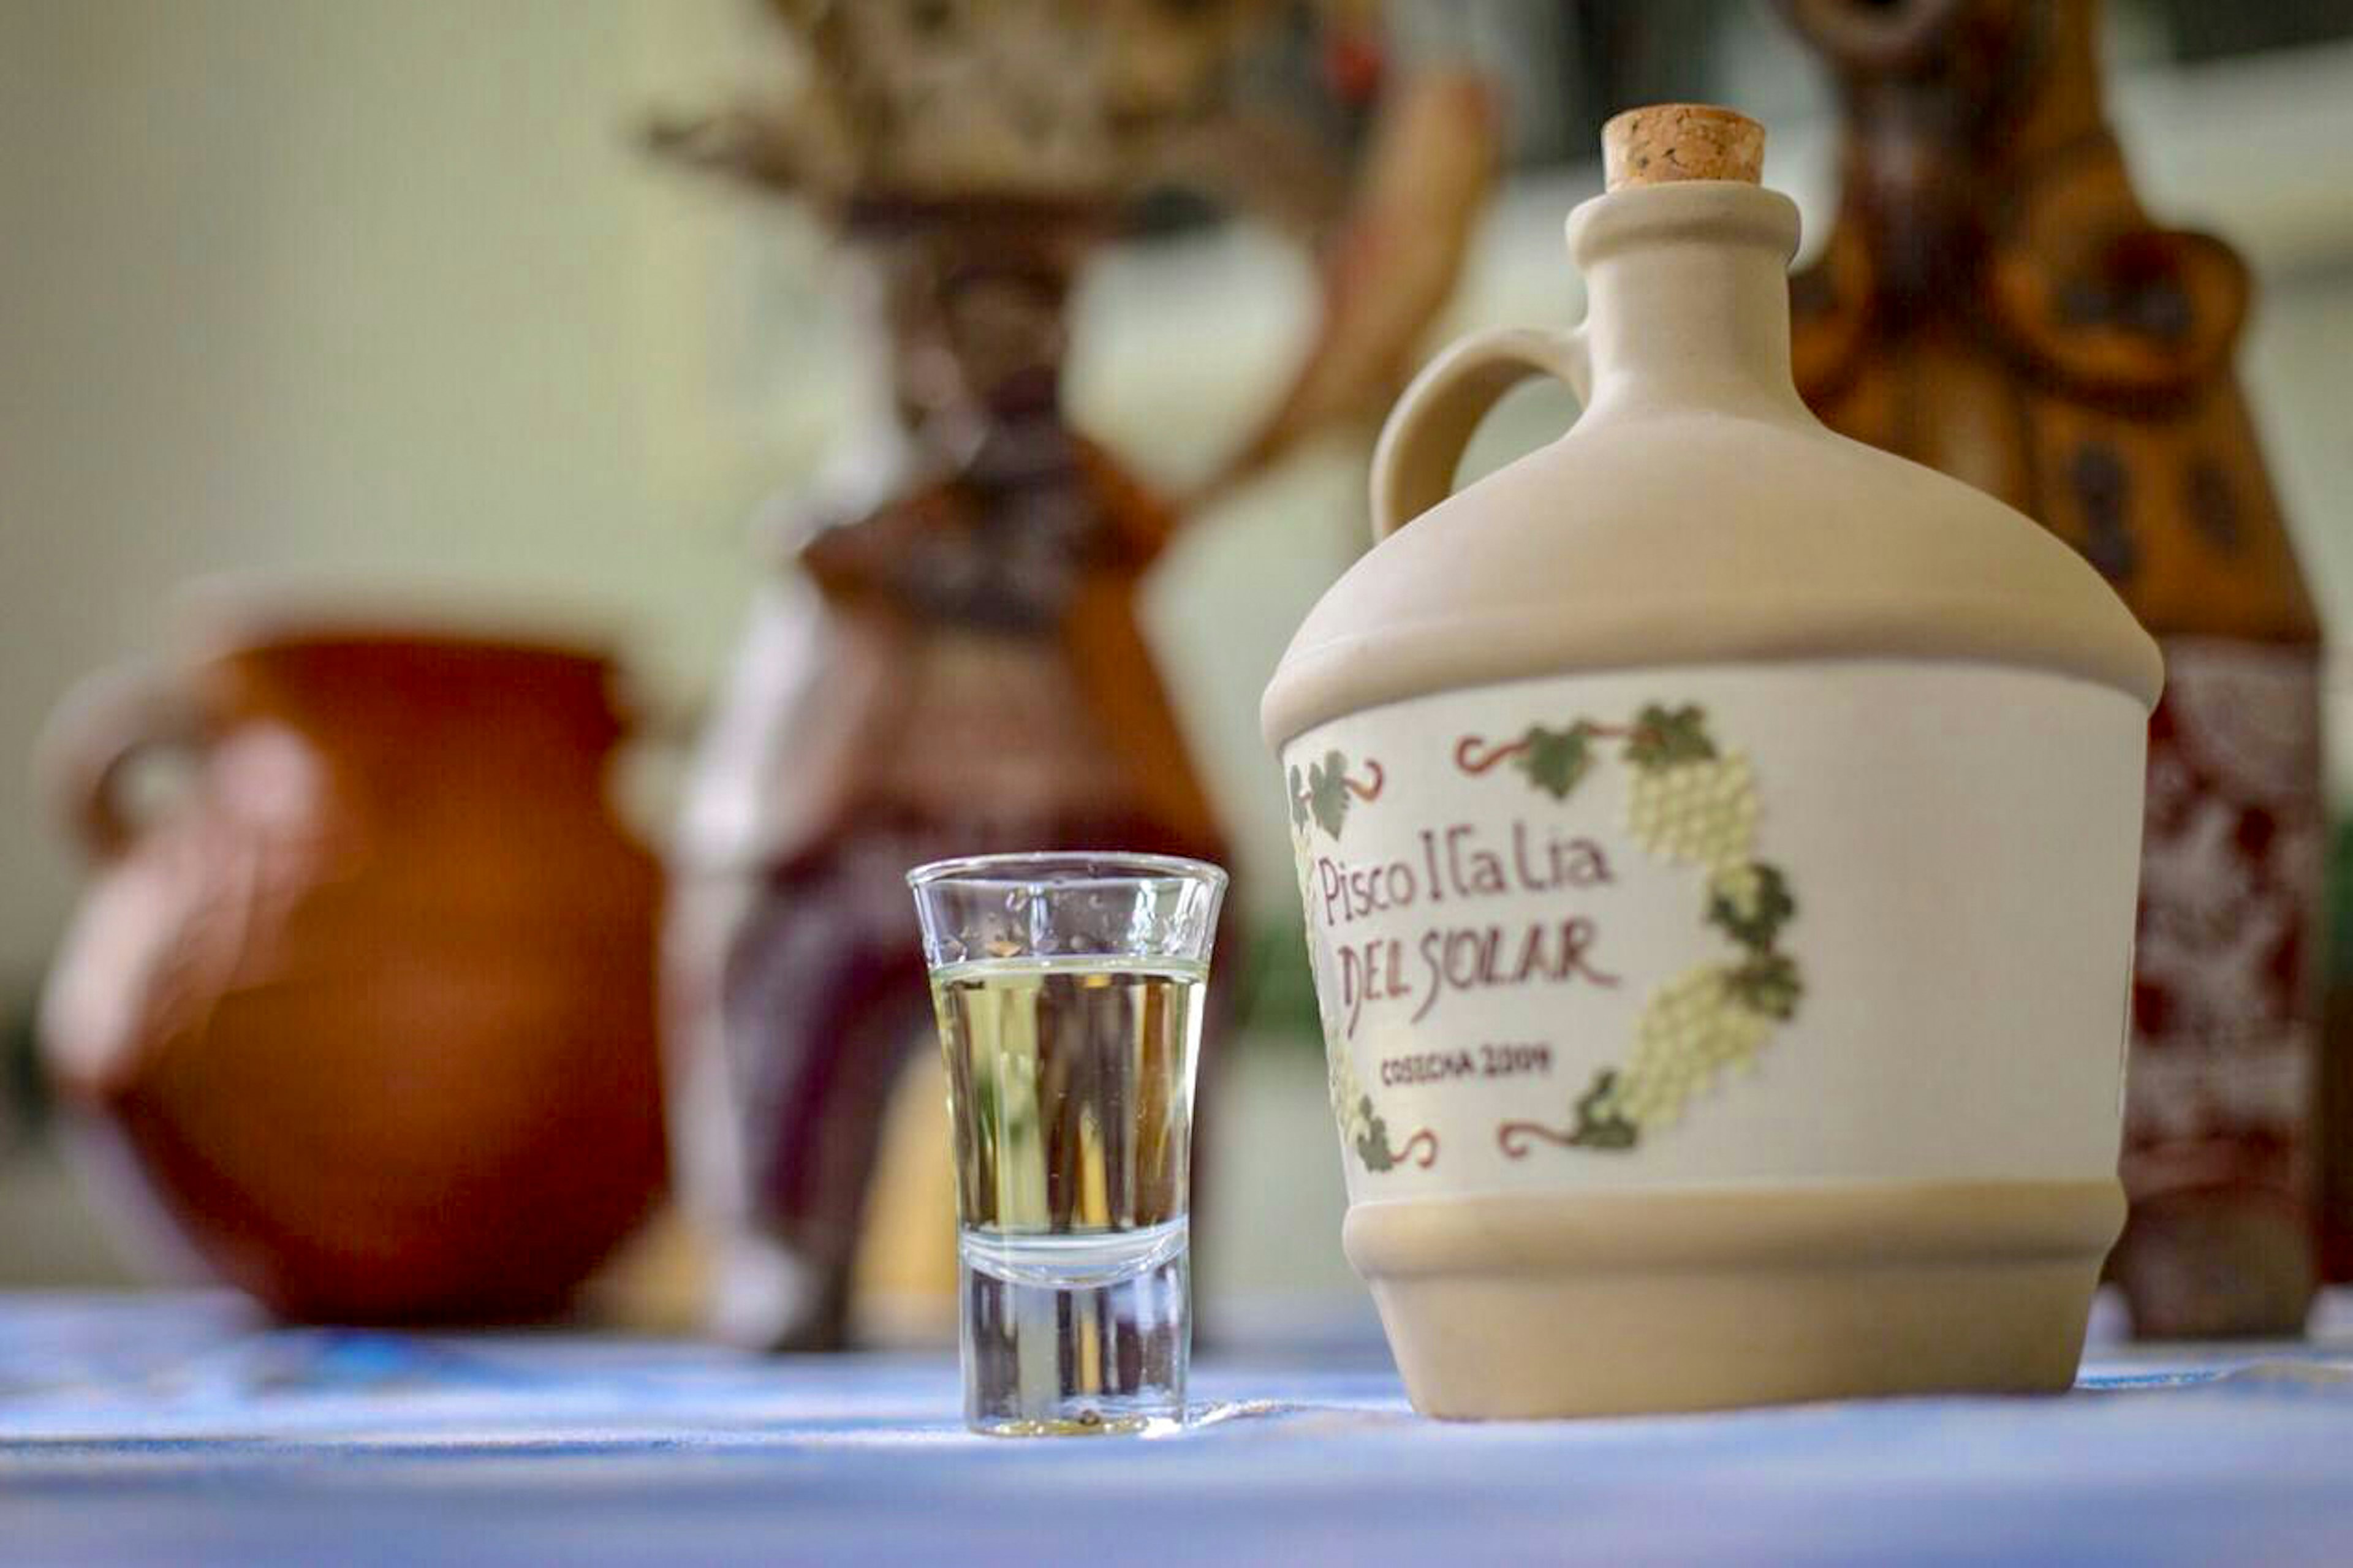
point(1066, 868)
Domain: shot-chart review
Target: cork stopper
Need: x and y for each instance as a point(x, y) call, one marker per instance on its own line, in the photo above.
point(1666, 142)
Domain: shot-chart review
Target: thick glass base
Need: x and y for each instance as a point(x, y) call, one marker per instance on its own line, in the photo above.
point(1076, 1335)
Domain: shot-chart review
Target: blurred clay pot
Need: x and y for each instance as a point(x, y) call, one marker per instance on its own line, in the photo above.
point(367, 1009)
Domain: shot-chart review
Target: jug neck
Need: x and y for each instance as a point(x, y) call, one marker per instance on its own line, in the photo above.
point(1687, 298)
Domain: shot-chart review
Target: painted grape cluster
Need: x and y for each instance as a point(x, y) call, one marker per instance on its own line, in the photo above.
point(1697, 813)
point(1687, 803)
point(1692, 1029)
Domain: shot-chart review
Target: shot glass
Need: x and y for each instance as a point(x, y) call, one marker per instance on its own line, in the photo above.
point(1068, 990)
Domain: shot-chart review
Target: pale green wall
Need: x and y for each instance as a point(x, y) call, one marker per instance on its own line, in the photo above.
point(383, 290)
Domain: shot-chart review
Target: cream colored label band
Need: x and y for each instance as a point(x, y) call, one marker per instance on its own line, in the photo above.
point(1861, 919)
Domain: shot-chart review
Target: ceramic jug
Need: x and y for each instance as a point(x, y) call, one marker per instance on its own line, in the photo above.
point(366, 1013)
point(1717, 840)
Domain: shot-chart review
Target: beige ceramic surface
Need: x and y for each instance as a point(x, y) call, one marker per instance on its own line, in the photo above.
point(1517, 1307)
point(1697, 511)
point(1697, 518)
point(1706, 512)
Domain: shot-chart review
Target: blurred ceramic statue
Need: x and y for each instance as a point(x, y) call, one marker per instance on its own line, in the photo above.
point(1995, 301)
point(949, 661)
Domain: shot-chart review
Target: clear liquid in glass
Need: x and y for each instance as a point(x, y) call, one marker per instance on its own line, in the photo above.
point(1071, 1091)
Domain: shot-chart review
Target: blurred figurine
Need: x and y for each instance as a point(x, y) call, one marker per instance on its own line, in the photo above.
point(1996, 303)
point(954, 665)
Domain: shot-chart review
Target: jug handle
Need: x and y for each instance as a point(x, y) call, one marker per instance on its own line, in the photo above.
point(86, 749)
point(1423, 441)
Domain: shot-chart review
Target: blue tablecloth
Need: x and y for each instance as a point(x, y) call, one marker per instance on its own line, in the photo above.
point(181, 1429)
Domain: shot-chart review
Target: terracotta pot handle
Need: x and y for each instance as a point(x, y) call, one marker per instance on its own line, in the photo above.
point(85, 751)
point(1422, 444)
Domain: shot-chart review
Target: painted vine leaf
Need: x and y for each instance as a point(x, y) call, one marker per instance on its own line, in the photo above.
point(1373, 1143)
point(1328, 793)
point(1298, 800)
point(1664, 736)
point(1599, 1125)
point(1556, 760)
point(1767, 983)
point(1751, 903)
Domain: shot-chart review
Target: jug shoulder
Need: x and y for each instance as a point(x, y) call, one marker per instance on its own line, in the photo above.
point(1699, 536)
